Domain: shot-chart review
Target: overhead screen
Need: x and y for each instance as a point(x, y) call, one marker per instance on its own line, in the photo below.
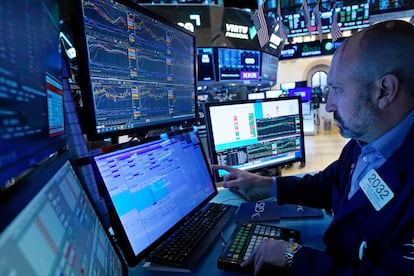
point(206, 65)
point(217, 65)
point(137, 70)
point(32, 119)
point(238, 65)
point(269, 68)
point(252, 135)
point(349, 17)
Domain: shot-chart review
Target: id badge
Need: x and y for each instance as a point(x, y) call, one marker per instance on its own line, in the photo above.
point(376, 190)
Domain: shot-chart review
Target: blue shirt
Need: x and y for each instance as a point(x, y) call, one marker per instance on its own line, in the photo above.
point(374, 154)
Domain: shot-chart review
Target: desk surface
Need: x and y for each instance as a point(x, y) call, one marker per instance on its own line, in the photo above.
point(312, 230)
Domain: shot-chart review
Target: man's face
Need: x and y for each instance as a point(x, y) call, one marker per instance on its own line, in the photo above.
point(349, 100)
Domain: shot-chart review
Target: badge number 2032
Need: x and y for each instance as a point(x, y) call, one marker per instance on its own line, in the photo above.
point(376, 190)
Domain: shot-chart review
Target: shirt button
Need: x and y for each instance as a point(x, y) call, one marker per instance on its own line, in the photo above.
point(365, 159)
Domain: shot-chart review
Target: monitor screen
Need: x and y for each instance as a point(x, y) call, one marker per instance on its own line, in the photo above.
point(136, 69)
point(269, 68)
point(351, 17)
point(256, 96)
point(270, 94)
point(152, 187)
point(304, 92)
point(251, 135)
point(238, 65)
point(287, 85)
point(307, 108)
point(206, 65)
point(49, 227)
point(31, 105)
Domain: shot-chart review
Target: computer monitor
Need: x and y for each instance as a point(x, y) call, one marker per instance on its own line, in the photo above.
point(287, 85)
point(238, 65)
point(256, 96)
point(136, 69)
point(206, 65)
point(31, 106)
point(49, 227)
point(269, 68)
point(152, 187)
point(270, 94)
point(253, 135)
point(304, 92)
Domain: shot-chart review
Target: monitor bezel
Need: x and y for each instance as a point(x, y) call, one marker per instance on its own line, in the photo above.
point(277, 164)
point(87, 112)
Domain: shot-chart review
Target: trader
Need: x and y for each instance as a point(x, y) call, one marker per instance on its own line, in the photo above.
point(370, 188)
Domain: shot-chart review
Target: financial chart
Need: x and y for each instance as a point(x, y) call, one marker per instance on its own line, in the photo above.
point(139, 67)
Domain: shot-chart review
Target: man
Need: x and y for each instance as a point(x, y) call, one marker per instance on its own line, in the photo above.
point(370, 188)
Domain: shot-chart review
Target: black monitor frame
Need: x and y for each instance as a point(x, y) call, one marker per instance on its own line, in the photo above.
point(133, 117)
point(242, 148)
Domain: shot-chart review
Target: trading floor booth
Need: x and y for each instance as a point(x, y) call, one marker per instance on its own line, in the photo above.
point(113, 69)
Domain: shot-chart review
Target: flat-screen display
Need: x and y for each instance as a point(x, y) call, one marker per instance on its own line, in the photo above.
point(32, 123)
point(256, 96)
point(270, 94)
point(304, 92)
point(349, 17)
point(152, 186)
point(49, 227)
point(287, 85)
point(307, 108)
point(238, 65)
point(136, 69)
point(206, 65)
point(252, 135)
point(269, 68)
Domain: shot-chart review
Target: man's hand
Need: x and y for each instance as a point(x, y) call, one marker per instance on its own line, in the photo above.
point(269, 252)
point(251, 186)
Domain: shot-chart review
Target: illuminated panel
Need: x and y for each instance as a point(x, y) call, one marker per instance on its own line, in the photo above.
point(206, 71)
point(349, 17)
point(31, 97)
point(251, 135)
point(238, 65)
point(141, 69)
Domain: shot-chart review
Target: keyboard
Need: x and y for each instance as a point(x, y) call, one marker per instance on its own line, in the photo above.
point(244, 240)
point(187, 245)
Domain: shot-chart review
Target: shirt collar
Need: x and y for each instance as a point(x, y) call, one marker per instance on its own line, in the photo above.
point(390, 141)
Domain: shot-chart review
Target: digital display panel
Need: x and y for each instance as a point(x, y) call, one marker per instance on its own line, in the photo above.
point(251, 135)
point(32, 125)
point(304, 92)
point(206, 69)
point(238, 64)
point(349, 17)
point(50, 227)
point(137, 70)
point(269, 67)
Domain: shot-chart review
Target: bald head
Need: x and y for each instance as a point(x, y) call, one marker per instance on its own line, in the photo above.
point(386, 47)
point(371, 80)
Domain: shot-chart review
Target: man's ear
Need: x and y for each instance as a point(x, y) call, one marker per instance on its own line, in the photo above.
point(388, 86)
